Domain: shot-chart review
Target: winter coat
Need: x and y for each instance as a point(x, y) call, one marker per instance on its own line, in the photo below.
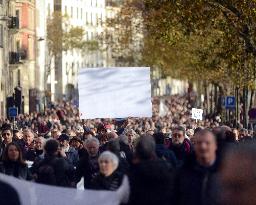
point(110, 183)
point(15, 169)
point(72, 156)
point(196, 185)
point(32, 154)
point(183, 151)
point(88, 168)
point(163, 153)
point(63, 170)
point(151, 183)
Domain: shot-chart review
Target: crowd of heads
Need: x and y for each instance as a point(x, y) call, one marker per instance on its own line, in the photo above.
point(111, 146)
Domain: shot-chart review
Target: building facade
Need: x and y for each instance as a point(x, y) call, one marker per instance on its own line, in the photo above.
point(3, 56)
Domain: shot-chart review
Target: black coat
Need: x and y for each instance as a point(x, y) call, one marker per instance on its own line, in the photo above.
point(15, 169)
point(63, 170)
point(110, 183)
point(8, 195)
point(196, 185)
point(163, 153)
point(87, 169)
point(33, 154)
point(183, 151)
point(151, 183)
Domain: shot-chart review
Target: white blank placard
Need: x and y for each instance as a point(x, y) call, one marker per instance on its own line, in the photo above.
point(114, 92)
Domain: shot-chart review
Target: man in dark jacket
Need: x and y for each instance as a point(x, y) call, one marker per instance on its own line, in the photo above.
point(181, 146)
point(71, 152)
point(37, 152)
point(196, 181)
point(151, 179)
point(162, 152)
point(88, 166)
point(7, 138)
point(54, 168)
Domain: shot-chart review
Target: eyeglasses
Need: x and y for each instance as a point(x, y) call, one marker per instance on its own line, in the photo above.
point(8, 134)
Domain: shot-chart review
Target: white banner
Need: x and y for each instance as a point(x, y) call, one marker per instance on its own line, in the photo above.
point(114, 92)
point(197, 114)
point(37, 194)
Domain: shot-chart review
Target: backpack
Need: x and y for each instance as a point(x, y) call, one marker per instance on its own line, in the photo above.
point(46, 173)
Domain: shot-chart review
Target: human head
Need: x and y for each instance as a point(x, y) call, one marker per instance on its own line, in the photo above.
point(55, 133)
point(28, 136)
point(238, 175)
point(205, 147)
point(51, 147)
point(39, 143)
point(76, 143)
point(92, 146)
point(178, 136)
point(64, 140)
point(13, 153)
point(113, 146)
point(7, 135)
point(17, 134)
point(131, 134)
point(159, 138)
point(145, 148)
point(108, 163)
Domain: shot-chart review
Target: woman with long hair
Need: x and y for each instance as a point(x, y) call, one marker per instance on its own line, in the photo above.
point(13, 164)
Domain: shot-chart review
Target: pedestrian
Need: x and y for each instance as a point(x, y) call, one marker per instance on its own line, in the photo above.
point(54, 169)
point(37, 152)
point(13, 164)
point(237, 175)
point(7, 138)
point(162, 152)
point(180, 145)
point(196, 180)
point(151, 179)
point(88, 166)
point(71, 152)
point(8, 195)
point(108, 178)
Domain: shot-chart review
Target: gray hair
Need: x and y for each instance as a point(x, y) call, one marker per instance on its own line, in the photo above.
point(107, 155)
point(43, 140)
point(91, 140)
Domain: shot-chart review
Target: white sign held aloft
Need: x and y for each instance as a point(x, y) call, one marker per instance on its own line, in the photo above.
point(114, 92)
point(197, 114)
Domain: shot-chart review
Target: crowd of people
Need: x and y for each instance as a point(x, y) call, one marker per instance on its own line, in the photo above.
point(169, 159)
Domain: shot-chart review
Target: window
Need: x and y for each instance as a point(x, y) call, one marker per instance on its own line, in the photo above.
point(86, 18)
point(91, 19)
point(71, 12)
point(1, 36)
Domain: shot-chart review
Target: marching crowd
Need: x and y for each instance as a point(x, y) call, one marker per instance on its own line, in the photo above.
point(168, 159)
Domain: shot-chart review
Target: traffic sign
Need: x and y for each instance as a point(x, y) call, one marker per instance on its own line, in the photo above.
point(230, 102)
point(13, 112)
